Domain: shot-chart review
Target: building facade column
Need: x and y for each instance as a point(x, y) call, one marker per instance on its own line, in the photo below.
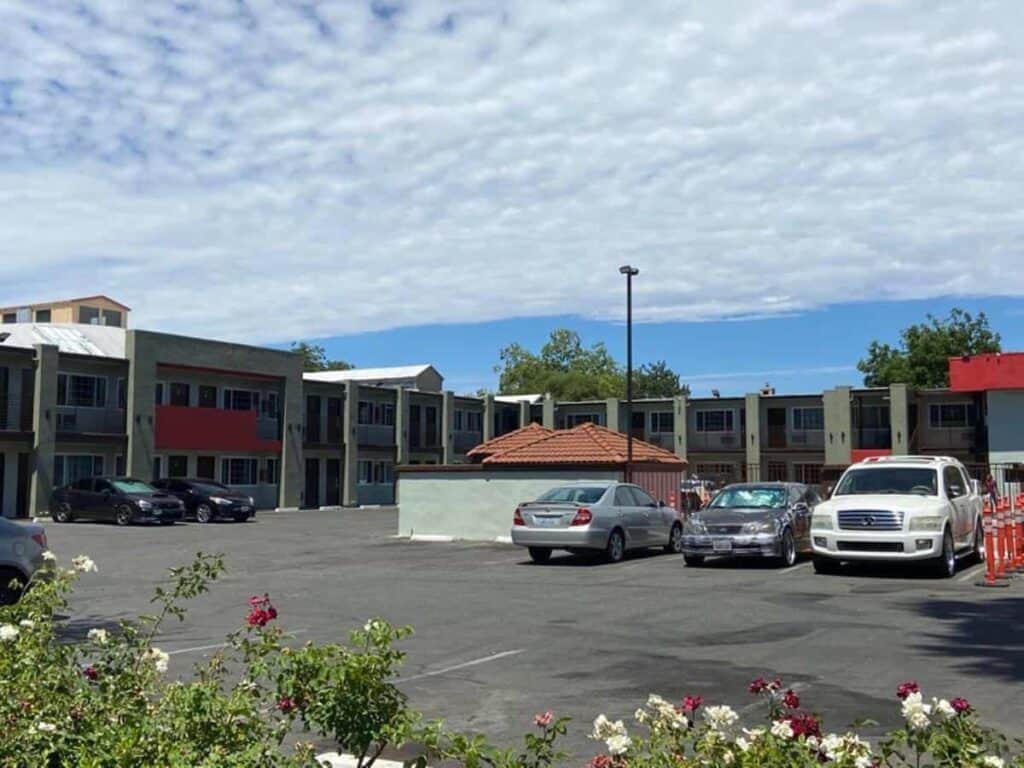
point(350, 434)
point(448, 427)
point(611, 414)
point(548, 412)
point(44, 427)
point(292, 480)
point(752, 436)
point(488, 424)
point(899, 419)
point(140, 404)
point(679, 426)
point(524, 413)
point(838, 426)
point(401, 426)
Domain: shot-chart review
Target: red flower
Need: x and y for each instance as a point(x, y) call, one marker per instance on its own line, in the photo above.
point(960, 705)
point(90, 673)
point(286, 704)
point(544, 719)
point(692, 703)
point(907, 688)
point(790, 700)
point(262, 611)
point(758, 686)
point(804, 725)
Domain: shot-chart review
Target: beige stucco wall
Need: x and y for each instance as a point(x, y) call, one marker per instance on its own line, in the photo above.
point(472, 505)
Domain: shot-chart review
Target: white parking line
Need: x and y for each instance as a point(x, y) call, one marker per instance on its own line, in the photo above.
point(971, 573)
point(464, 665)
point(197, 648)
point(792, 568)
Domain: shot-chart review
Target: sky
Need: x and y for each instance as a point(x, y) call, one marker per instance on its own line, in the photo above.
point(427, 181)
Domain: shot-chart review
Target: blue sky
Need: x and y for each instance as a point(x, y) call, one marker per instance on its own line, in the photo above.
point(267, 170)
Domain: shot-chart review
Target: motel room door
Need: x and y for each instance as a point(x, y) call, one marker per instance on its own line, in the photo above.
point(313, 483)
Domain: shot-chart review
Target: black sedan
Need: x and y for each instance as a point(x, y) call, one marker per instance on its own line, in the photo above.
point(124, 500)
point(206, 500)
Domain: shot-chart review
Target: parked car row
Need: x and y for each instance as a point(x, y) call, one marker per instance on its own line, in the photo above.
point(126, 500)
point(921, 509)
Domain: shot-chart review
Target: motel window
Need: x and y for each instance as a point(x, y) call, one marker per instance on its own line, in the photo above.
point(662, 422)
point(180, 393)
point(459, 415)
point(430, 438)
point(122, 393)
point(365, 472)
point(951, 415)
point(81, 391)
point(383, 473)
point(777, 471)
point(474, 421)
point(119, 466)
point(365, 412)
point(387, 415)
point(715, 421)
point(10, 317)
point(270, 475)
point(68, 469)
point(158, 471)
point(206, 467)
point(89, 315)
point(239, 471)
point(575, 419)
point(809, 419)
point(207, 397)
point(241, 400)
point(177, 466)
point(112, 317)
point(43, 315)
point(269, 405)
point(808, 474)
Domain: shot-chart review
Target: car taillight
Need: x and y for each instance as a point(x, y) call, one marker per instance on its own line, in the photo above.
point(40, 539)
point(517, 518)
point(583, 517)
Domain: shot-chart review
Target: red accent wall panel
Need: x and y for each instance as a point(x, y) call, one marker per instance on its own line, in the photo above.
point(983, 372)
point(859, 454)
point(209, 429)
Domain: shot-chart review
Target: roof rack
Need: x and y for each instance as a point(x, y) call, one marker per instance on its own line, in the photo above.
point(907, 459)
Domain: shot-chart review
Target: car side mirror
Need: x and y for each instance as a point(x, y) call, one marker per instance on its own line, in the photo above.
point(953, 491)
point(801, 507)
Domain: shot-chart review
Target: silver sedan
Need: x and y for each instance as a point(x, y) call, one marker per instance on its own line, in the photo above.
point(22, 545)
point(598, 516)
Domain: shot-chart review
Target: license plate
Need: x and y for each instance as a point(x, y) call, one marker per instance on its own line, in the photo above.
point(722, 545)
point(547, 522)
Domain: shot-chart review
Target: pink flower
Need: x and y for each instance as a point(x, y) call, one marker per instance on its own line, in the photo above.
point(692, 703)
point(286, 704)
point(907, 688)
point(262, 611)
point(544, 719)
point(775, 685)
point(960, 705)
point(790, 700)
point(758, 686)
point(600, 761)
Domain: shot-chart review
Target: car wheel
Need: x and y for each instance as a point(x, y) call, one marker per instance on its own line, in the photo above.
point(124, 515)
point(978, 550)
point(787, 549)
point(12, 583)
point(826, 565)
point(616, 548)
point(204, 513)
point(62, 514)
point(693, 561)
point(540, 554)
point(944, 566)
point(675, 540)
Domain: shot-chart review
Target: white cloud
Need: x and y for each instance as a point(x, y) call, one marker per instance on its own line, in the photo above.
point(271, 170)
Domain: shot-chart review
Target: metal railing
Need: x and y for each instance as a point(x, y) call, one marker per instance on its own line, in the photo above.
point(11, 417)
point(872, 437)
point(94, 421)
point(376, 434)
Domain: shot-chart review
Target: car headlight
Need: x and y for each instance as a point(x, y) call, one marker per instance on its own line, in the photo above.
point(695, 526)
point(219, 500)
point(252, 503)
point(927, 523)
point(144, 505)
point(821, 522)
point(763, 526)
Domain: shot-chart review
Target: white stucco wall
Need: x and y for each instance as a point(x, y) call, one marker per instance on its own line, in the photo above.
point(472, 505)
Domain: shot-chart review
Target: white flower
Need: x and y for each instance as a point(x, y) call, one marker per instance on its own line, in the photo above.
point(916, 712)
point(45, 727)
point(991, 761)
point(742, 744)
point(863, 761)
point(618, 744)
point(27, 623)
point(720, 717)
point(728, 757)
point(604, 728)
point(640, 716)
point(158, 658)
point(83, 564)
point(49, 557)
point(8, 633)
point(943, 709)
point(98, 636)
point(781, 729)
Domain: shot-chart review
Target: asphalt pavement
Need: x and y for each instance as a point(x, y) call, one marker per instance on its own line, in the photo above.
point(499, 639)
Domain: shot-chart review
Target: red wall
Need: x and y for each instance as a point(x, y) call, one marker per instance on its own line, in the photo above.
point(859, 454)
point(984, 372)
point(663, 486)
point(209, 429)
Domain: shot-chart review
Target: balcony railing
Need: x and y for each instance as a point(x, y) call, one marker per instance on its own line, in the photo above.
point(466, 441)
point(716, 441)
point(91, 421)
point(268, 429)
point(872, 437)
point(813, 440)
point(376, 434)
point(15, 414)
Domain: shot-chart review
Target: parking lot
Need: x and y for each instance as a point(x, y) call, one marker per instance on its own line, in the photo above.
point(499, 639)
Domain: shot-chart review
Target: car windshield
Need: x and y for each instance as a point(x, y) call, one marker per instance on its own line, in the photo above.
point(211, 488)
point(132, 486)
point(580, 494)
point(750, 498)
point(889, 480)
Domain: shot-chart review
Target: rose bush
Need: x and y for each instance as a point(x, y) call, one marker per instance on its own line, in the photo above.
point(112, 698)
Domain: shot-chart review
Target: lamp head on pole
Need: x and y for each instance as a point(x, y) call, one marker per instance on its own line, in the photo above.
point(626, 269)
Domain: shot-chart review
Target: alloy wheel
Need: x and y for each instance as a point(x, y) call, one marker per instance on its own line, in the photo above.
point(788, 549)
point(204, 514)
point(616, 547)
point(124, 515)
point(63, 513)
point(675, 540)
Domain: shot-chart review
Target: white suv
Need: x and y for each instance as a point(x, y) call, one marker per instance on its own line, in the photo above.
point(900, 508)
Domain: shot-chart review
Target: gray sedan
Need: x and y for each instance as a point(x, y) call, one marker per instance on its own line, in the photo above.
point(752, 519)
point(21, 553)
point(599, 515)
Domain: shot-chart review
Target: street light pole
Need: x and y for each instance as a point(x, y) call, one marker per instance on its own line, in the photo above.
point(630, 272)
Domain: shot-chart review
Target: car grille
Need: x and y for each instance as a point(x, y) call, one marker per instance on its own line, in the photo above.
point(870, 520)
point(724, 530)
point(167, 505)
point(869, 546)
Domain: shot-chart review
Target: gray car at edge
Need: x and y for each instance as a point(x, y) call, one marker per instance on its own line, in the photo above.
point(22, 545)
point(752, 520)
point(605, 516)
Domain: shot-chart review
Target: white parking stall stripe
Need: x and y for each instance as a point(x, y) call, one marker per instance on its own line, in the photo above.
point(463, 665)
point(972, 573)
point(197, 648)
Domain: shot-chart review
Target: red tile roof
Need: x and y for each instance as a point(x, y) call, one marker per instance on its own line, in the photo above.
point(531, 433)
point(585, 444)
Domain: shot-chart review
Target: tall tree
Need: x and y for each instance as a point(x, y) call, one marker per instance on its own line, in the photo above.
point(314, 358)
point(922, 357)
point(567, 370)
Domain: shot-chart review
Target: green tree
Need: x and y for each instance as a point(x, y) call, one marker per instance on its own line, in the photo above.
point(922, 357)
point(567, 370)
point(314, 358)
